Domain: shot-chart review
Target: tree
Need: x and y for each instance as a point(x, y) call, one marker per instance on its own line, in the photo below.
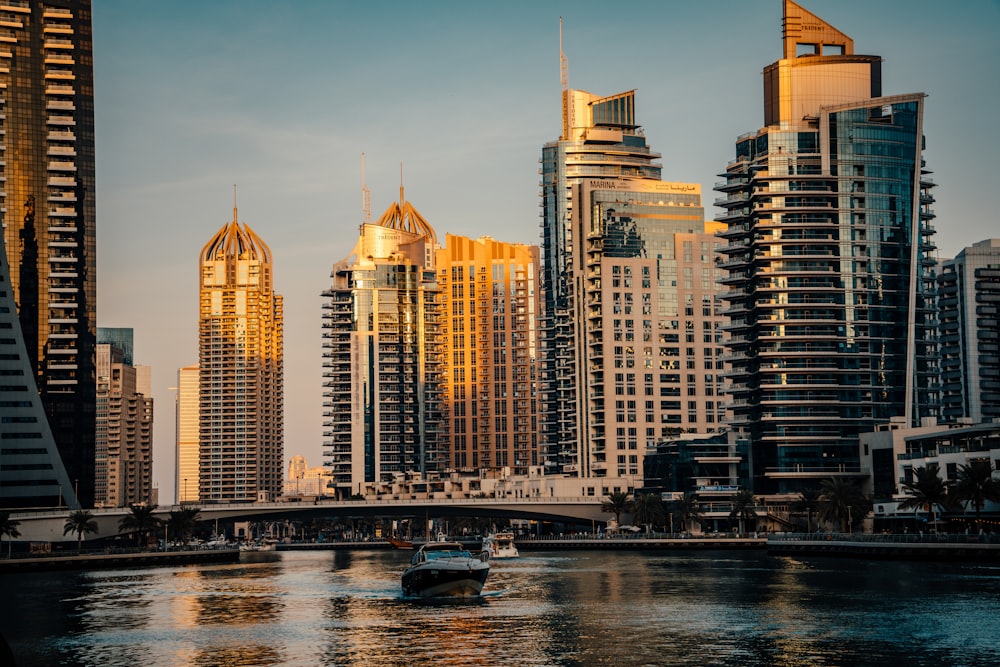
point(927, 490)
point(139, 522)
point(841, 503)
point(617, 503)
point(80, 522)
point(8, 528)
point(647, 509)
point(808, 502)
point(743, 508)
point(181, 522)
point(975, 485)
point(688, 510)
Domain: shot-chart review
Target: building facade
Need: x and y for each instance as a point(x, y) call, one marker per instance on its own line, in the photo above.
point(830, 281)
point(240, 370)
point(969, 314)
point(48, 190)
point(491, 306)
point(124, 436)
point(32, 474)
point(382, 356)
point(187, 432)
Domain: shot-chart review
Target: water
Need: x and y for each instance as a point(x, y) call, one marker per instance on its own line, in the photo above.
point(551, 608)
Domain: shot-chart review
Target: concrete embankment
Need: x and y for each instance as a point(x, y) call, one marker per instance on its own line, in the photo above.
point(928, 547)
point(114, 560)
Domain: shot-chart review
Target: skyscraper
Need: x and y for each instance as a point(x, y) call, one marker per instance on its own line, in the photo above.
point(491, 303)
point(630, 342)
point(830, 279)
point(382, 355)
point(600, 138)
point(47, 165)
point(241, 383)
point(124, 438)
point(969, 309)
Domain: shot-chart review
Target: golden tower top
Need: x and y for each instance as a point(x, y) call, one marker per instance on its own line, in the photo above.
point(804, 28)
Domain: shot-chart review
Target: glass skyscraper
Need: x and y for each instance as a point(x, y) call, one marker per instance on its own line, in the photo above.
point(47, 192)
point(830, 279)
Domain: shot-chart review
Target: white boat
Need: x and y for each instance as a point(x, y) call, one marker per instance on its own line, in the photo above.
point(500, 545)
point(446, 569)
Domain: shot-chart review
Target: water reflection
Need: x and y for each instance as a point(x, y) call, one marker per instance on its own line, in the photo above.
point(583, 608)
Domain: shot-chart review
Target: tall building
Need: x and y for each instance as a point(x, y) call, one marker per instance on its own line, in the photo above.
point(187, 409)
point(491, 302)
point(969, 312)
point(240, 370)
point(631, 320)
point(47, 192)
point(124, 435)
point(830, 280)
point(645, 319)
point(32, 474)
point(600, 138)
point(382, 355)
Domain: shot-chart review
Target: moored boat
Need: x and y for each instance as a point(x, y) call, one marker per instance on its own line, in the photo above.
point(446, 569)
point(400, 544)
point(500, 545)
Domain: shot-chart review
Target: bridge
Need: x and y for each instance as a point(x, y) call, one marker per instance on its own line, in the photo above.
point(47, 526)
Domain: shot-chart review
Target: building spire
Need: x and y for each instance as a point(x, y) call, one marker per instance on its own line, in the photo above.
point(366, 195)
point(235, 219)
point(401, 183)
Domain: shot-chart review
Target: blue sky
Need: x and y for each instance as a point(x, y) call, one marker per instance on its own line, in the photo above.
point(282, 98)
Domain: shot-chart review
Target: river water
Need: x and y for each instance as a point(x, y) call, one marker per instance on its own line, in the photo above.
point(545, 608)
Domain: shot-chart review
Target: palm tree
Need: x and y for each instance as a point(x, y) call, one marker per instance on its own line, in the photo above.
point(139, 522)
point(808, 502)
point(617, 503)
point(648, 509)
point(975, 485)
point(842, 503)
point(181, 522)
point(8, 528)
point(926, 490)
point(688, 510)
point(80, 522)
point(743, 508)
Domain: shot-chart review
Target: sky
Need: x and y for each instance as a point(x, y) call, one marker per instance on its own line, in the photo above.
point(281, 98)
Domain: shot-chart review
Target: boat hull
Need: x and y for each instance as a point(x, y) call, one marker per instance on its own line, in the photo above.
point(446, 579)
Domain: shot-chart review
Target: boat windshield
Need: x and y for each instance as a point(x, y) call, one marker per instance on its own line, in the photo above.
point(447, 553)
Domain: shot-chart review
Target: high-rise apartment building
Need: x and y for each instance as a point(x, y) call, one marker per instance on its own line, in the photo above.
point(600, 138)
point(124, 436)
point(187, 409)
point(47, 191)
point(645, 319)
point(631, 320)
point(240, 370)
point(969, 313)
point(32, 474)
point(382, 355)
point(830, 280)
point(491, 306)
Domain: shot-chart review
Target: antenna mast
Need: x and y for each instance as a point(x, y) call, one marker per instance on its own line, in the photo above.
point(563, 62)
point(567, 101)
point(366, 195)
